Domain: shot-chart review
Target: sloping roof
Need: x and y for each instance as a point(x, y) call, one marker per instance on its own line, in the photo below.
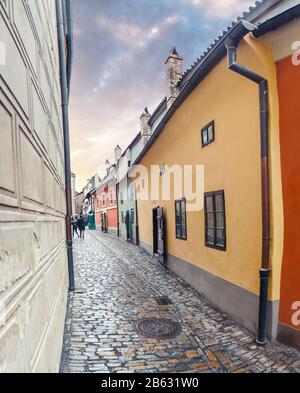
point(132, 143)
point(246, 15)
point(159, 109)
point(211, 57)
point(252, 12)
point(107, 178)
point(174, 51)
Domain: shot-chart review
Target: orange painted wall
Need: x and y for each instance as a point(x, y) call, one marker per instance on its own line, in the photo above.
point(112, 218)
point(288, 76)
point(232, 163)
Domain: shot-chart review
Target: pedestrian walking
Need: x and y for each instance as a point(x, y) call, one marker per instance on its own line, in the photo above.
point(81, 225)
point(75, 227)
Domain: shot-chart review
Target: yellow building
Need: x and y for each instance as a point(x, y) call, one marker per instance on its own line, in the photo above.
point(212, 119)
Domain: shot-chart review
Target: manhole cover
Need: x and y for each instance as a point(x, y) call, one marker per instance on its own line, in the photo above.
point(159, 328)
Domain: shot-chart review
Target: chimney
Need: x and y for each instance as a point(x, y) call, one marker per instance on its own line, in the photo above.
point(118, 153)
point(174, 65)
point(145, 128)
point(107, 167)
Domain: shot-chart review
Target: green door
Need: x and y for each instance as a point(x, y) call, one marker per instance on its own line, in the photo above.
point(91, 224)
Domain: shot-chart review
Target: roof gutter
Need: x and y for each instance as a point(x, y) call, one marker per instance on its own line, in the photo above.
point(277, 21)
point(66, 133)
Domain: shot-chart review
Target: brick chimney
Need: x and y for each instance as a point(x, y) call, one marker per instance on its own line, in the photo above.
point(174, 65)
point(145, 128)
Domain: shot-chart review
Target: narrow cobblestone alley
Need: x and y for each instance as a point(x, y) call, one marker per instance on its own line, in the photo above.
point(117, 285)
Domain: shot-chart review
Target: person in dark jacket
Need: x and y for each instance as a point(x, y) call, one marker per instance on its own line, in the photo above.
point(75, 227)
point(81, 225)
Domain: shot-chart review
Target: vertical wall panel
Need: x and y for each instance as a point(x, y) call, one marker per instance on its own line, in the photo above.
point(33, 264)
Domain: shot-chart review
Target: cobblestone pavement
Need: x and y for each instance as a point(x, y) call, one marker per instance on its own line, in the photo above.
point(117, 284)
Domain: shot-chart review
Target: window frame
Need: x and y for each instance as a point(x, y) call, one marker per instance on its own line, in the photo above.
point(132, 192)
point(208, 244)
point(181, 237)
point(103, 199)
point(132, 216)
point(111, 197)
point(212, 123)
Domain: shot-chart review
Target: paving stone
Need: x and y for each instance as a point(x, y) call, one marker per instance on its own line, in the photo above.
point(119, 284)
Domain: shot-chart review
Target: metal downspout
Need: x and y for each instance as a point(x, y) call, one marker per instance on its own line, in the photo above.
point(118, 208)
point(69, 14)
point(231, 45)
point(65, 116)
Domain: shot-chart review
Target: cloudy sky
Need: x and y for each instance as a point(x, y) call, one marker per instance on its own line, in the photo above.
point(119, 55)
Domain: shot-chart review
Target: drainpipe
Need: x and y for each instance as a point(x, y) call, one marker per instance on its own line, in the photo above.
point(65, 116)
point(231, 44)
point(69, 16)
point(118, 209)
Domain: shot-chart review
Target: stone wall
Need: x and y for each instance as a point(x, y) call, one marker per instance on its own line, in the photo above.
point(33, 265)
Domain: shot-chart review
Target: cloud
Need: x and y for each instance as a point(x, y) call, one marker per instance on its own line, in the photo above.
point(119, 53)
point(221, 8)
point(127, 33)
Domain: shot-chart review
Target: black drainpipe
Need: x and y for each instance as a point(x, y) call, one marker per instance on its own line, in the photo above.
point(231, 45)
point(69, 15)
point(65, 116)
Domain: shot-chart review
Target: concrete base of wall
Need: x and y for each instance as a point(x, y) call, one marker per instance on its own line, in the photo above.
point(289, 336)
point(112, 231)
point(242, 305)
point(146, 247)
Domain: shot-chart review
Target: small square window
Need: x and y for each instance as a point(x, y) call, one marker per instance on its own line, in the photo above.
point(208, 134)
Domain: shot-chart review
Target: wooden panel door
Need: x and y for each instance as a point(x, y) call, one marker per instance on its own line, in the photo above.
point(160, 233)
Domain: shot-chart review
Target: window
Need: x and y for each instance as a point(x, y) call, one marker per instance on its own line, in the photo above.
point(122, 217)
point(103, 200)
point(111, 196)
point(121, 198)
point(208, 134)
point(215, 220)
point(132, 216)
point(180, 212)
point(132, 192)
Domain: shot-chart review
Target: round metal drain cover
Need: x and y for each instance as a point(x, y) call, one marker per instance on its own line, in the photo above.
point(158, 328)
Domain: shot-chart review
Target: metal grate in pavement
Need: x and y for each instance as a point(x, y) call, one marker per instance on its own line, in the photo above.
point(163, 300)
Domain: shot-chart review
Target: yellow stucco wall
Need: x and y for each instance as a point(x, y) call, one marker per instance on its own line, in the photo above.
point(231, 163)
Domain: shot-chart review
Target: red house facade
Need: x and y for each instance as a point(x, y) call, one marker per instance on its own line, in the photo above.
point(106, 208)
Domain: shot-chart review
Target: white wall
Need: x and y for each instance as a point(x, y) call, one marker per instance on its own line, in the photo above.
point(33, 266)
